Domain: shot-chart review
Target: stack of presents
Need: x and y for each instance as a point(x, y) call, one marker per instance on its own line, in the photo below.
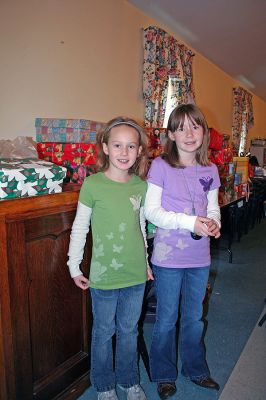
point(70, 143)
point(233, 171)
point(67, 153)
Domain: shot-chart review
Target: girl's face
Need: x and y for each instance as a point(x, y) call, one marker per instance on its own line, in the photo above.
point(122, 148)
point(188, 138)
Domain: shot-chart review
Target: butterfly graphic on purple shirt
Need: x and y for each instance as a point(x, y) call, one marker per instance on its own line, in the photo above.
point(206, 183)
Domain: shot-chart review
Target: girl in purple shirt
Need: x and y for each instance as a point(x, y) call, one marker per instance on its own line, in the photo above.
point(182, 201)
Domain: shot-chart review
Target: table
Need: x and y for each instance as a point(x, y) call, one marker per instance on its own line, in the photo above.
point(234, 219)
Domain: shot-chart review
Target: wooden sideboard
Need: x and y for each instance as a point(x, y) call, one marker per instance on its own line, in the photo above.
point(45, 320)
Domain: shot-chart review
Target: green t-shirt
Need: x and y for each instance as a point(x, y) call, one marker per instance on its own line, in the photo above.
point(118, 252)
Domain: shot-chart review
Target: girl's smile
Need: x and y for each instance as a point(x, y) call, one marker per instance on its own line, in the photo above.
point(188, 137)
point(122, 149)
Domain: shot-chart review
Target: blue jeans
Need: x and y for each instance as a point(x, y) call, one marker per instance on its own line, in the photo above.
point(115, 311)
point(186, 286)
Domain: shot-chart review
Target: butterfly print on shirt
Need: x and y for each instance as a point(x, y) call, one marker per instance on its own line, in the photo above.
point(206, 183)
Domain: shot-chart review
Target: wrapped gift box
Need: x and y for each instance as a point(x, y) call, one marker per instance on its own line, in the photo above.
point(223, 169)
point(242, 189)
point(67, 130)
point(67, 154)
point(227, 183)
point(222, 156)
point(29, 177)
point(77, 173)
point(67, 135)
point(238, 178)
point(64, 123)
point(218, 141)
point(157, 138)
point(242, 167)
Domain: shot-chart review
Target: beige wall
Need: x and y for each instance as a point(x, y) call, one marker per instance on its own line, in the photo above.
point(65, 58)
point(213, 90)
point(83, 59)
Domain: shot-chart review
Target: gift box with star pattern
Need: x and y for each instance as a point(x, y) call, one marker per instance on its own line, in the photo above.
point(29, 177)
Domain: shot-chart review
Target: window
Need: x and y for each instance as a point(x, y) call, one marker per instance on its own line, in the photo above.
point(174, 96)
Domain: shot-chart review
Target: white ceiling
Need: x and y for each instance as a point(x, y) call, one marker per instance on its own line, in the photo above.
point(230, 33)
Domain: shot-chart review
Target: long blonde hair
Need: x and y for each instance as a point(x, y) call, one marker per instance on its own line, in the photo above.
point(140, 166)
point(176, 120)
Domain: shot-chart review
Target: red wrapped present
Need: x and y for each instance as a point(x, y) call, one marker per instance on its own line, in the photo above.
point(223, 169)
point(222, 156)
point(68, 153)
point(251, 170)
point(218, 141)
point(77, 174)
point(157, 137)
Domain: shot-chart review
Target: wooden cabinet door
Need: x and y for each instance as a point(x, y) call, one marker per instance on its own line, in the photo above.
point(51, 317)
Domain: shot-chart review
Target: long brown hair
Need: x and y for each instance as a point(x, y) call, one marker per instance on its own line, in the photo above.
point(176, 120)
point(140, 166)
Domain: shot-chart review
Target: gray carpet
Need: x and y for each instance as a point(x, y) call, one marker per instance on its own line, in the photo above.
point(234, 307)
point(247, 381)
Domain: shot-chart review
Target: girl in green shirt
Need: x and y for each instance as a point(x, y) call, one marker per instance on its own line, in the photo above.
point(111, 201)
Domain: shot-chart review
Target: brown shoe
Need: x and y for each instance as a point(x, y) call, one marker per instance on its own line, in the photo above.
point(207, 383)
point(166, 389)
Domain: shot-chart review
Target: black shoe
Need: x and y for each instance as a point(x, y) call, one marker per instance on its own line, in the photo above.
point(166, 389)
point(207, 383)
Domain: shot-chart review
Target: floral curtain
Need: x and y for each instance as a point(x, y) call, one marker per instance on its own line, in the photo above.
point(164, 58)
point(243, 118)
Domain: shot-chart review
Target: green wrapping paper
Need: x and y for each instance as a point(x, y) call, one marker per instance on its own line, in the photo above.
point(29, 177)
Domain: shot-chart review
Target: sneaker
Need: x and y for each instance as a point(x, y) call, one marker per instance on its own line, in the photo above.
point(109, 395)
point(135, 393)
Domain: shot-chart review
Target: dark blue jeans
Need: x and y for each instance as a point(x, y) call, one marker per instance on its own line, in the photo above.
point(115, 311)
point(186, 286)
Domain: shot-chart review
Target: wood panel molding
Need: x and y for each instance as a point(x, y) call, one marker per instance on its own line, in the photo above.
point(45, 320)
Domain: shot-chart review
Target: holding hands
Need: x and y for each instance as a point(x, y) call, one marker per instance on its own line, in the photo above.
point(206, 227)
point(213, 229)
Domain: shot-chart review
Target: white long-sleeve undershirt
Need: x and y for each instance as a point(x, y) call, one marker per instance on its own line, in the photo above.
point(157, 215)
point(80, 229)
point(213, 208)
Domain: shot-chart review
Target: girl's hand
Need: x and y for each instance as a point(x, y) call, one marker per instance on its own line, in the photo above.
point(214, 229)
point(201, 226)
point(150, 274)
point(82, 282)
